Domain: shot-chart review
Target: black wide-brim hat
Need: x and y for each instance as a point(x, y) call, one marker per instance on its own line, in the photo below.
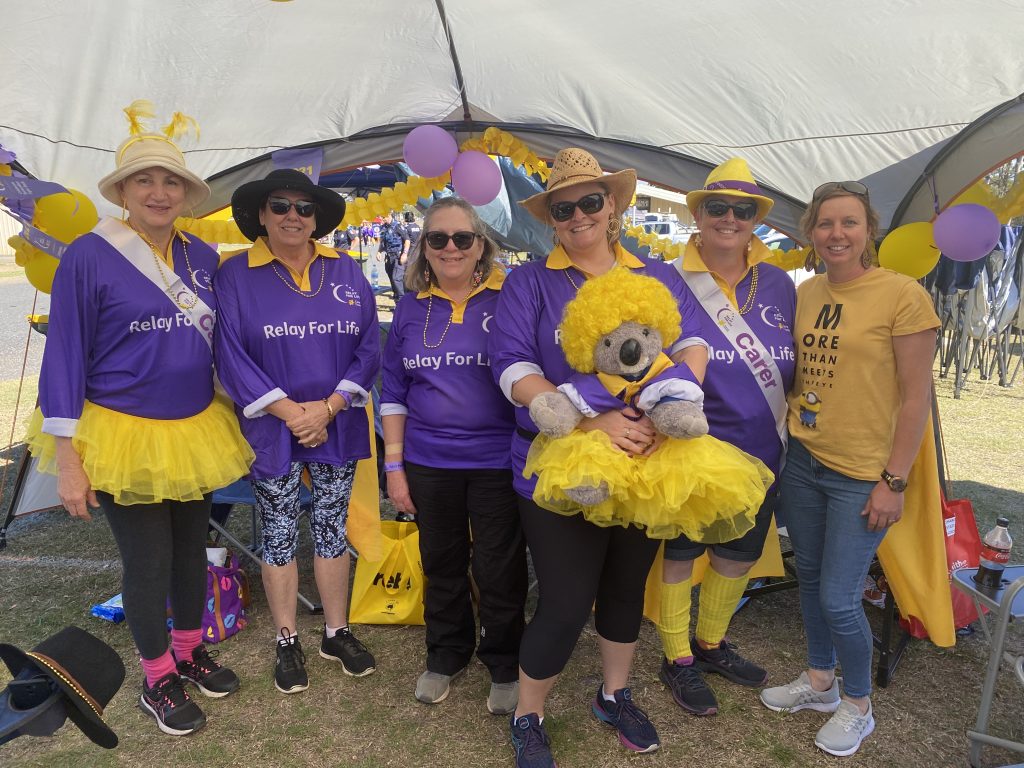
point(86, 669)
point(247, 199)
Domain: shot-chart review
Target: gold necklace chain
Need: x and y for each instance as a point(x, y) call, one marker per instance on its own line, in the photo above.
point(303, 294)
point(752, 293)
point(426, 322)
point(571, 281)
point(163, 276)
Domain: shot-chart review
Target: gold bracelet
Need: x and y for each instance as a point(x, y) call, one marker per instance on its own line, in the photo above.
point(330, 411)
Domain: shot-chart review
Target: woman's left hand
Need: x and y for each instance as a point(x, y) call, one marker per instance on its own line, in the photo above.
point(884, 508)
point(312, 442)
point(311, 422)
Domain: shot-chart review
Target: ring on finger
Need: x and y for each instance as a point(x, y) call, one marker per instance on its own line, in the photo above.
point(627, 431)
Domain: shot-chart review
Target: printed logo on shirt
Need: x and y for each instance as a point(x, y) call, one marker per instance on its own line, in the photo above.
point(772, 317)
point(202, 278)
point(819, 349)
point(810, 404)
point(485, 322)
point(312, 328)
point(167, 324)
point(727, 355)
point(346, 294)
point(434, 362)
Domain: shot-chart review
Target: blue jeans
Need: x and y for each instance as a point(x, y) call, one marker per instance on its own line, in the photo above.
point(833, 550)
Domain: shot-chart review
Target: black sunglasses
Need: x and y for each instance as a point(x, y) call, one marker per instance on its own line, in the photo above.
point(439, 240)
point(853, 187)
point(742, 211)
point(589, 204)
point(281, 206)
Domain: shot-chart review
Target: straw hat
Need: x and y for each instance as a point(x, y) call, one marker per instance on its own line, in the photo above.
point(247, 199)
point(733, 177)
point(137, 153)
point(574, 166)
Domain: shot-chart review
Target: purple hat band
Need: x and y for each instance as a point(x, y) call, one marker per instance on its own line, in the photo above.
point(742, 186)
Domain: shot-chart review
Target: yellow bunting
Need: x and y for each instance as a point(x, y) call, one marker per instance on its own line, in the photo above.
point(212, 230)
point(498, 142)
point(391, 199)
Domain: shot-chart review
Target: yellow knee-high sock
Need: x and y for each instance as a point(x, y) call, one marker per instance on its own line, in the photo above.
point(719, 596)
point(674, 619)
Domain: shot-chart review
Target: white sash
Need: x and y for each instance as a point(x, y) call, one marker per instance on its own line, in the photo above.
point(746, 343)
point(137, 253)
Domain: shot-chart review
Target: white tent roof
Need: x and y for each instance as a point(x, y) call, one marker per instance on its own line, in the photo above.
point(805, 92)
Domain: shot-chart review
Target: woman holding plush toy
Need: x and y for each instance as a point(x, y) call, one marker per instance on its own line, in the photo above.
point(579, 564)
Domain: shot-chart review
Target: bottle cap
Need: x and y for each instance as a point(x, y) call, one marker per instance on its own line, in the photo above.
point(1003, 521)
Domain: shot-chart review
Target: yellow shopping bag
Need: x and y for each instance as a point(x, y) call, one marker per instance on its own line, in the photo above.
point(390, 590)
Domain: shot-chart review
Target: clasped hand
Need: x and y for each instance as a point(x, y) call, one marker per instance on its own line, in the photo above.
point(309, 423)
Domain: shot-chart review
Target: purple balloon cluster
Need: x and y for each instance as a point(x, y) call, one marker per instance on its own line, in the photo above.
point(430, 151)
point(966, 232)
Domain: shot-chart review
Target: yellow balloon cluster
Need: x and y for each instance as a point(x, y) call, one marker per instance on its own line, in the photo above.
point(212, 230)
point(669, 251)
point(40, 267)
point(498, 142)
point(392, 198)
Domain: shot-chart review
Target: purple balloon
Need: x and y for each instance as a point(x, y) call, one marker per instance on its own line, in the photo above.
point(966, 232)
point(429, 150)
point(476, 177)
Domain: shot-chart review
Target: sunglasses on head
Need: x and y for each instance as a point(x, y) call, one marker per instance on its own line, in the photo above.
point(853, 187)
point(742, 211)
point(439, 240)
point(281, 206)
point(589, 204)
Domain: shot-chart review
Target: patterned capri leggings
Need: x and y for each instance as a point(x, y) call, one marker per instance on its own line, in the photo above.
point(277, 502)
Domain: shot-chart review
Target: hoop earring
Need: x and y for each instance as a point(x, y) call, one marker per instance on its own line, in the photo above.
point(614, 228)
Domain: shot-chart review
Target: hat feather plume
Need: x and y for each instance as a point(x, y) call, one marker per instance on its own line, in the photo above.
point(180, 125)
point(137, 110)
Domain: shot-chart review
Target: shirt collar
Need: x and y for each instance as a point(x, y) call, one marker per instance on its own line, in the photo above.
point(692, 262)
point(493, 282)
point(559, 259)
point(260, 254)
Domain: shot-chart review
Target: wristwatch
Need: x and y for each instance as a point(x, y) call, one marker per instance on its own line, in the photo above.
point(897, 484)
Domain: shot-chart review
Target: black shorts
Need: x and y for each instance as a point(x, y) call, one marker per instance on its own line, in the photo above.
point(746, 549)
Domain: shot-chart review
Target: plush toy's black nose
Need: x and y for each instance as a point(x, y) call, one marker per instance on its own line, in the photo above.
point(629, 352)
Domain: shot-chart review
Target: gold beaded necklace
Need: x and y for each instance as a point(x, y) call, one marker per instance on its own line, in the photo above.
point(571, 281)
point(426, 322)
point(751, 293)
point(160, 268)
point(303, 294)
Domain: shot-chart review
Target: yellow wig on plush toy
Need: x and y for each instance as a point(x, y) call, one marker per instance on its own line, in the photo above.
point(613, 334)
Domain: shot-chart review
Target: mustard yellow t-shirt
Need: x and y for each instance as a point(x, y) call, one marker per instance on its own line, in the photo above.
point(846, 396)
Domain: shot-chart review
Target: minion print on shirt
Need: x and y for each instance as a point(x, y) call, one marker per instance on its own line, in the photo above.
point(810, 404)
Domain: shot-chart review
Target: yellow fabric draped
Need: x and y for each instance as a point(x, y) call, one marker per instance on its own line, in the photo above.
point(364, 532)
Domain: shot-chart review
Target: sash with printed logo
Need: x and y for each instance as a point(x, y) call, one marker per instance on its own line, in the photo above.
point(137, 253)
point(734, 327)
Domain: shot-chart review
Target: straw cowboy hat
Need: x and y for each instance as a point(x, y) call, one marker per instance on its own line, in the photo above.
point(137, 153)
point(83, 672)
point(247, 199)
point(574, 166)
point(733, 177)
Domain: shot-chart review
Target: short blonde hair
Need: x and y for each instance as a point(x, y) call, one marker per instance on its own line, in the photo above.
point(810, 218)
point(416, 275)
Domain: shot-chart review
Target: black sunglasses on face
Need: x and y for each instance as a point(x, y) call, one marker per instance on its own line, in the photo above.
point(742, 211)
point(281, 206)
point(439, 240)
point(853, 187)
point(589, 204)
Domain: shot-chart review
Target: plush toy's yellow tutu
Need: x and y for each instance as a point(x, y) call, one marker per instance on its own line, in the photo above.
point(704, 488)
point(144, 461)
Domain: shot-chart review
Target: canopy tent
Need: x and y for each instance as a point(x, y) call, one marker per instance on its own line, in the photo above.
point(879, 90)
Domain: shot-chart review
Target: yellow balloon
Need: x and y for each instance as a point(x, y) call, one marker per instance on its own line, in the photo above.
point(910, 250)
point(40, 269)
point(65, 215)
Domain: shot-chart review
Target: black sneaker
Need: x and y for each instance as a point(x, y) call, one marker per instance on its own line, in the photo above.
point(212, 679)
point(168, 702)
point(355, 659)
point(636, 731)
point(290, 669)
point(688, 687)
point(530, 741)
point(726, 662)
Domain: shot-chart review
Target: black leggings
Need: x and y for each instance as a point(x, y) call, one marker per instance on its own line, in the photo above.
point(163, 553)
point(580, 565)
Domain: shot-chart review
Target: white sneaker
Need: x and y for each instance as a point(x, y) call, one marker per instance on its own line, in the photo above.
point(799, 695)
point(845, 730)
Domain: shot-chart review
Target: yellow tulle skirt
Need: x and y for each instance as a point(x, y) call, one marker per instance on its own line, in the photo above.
point(704, 487)
point(144, 461)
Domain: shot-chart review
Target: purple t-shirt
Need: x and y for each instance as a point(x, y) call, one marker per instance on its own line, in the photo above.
point(116, 339)
point(456, 417)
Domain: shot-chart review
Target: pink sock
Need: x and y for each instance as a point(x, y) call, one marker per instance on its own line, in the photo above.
point(184, 641)
point(156, 668)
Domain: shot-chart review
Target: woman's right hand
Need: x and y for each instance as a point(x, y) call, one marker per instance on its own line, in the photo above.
point(628, 429)
point(73, 486)
point(398, 492)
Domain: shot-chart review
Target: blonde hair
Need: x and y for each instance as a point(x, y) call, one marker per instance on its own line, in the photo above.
point(810, 218)
point(606, 302)
point(415, 272)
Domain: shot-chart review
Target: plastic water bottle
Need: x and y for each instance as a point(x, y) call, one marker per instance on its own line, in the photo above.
point(374, 274)
point(995, 554)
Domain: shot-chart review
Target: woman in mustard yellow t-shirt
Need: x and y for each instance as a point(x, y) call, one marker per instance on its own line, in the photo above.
point(865, 338)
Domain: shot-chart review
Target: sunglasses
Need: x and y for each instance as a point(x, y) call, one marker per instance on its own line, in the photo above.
point(742, 211)
point(853, 187)
point(439, 240)
point(589, 204)
point(281, 206)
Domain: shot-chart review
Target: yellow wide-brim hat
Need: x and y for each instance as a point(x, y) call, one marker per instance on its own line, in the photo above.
point(152, 150)
point(733, 178)
point(574, 166)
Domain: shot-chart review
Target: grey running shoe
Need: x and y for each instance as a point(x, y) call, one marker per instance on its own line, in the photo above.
point(845, 730)
point(433, 687)
point(799, 694)
point(503, 698)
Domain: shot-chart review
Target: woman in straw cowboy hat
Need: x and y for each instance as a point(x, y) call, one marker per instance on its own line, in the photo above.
point(298, 350)
point(748, 375)
point(128, 416)
point(579, 565)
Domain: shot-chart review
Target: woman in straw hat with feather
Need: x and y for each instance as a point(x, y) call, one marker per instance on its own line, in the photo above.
point(128, 418)
point(579, 564)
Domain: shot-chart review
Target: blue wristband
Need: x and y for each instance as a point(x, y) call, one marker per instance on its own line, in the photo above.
point(393, 466)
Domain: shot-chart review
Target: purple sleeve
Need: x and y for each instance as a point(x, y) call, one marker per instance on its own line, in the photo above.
point(594, 393)
point(512, 343)
point(366, 365)
point(396, 378)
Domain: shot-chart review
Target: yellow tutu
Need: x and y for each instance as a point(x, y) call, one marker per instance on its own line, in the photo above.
point(145, 461)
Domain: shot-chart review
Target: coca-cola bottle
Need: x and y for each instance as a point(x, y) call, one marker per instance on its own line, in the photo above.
point(995, 554)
